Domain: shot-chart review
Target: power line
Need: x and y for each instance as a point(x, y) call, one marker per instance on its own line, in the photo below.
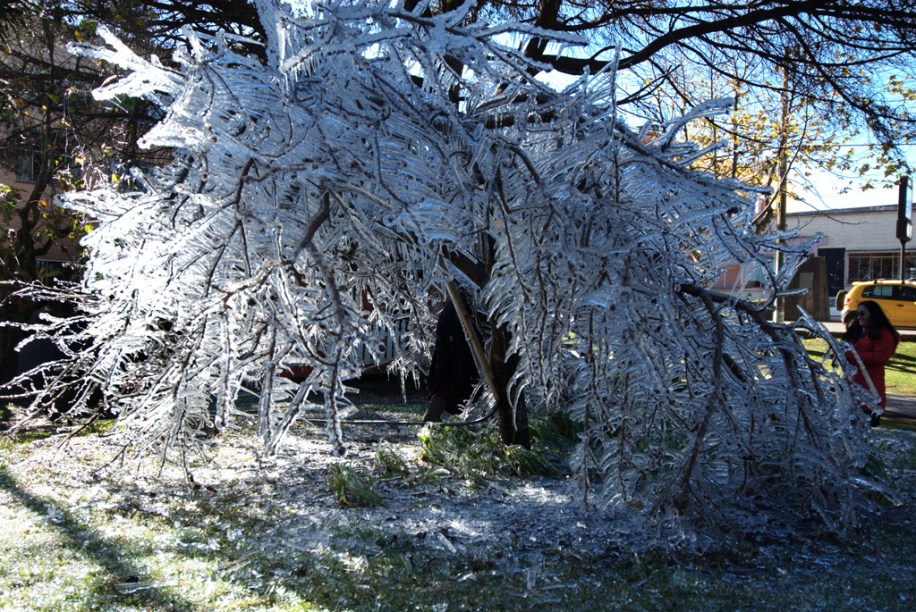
point(824, 144)
point(903, 144)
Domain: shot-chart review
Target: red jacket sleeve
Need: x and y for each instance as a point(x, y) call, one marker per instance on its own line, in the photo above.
point(877, 352)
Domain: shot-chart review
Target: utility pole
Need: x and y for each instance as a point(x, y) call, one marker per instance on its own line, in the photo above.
point(779, 310)
point(779, 315)
point(904, 220)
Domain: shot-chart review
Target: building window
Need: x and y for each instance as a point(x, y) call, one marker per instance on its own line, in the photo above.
point(872, 266)
point(53, 269)
point(28, 167)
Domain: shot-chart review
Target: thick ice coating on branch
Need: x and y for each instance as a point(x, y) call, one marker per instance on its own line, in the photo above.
point(374, 145)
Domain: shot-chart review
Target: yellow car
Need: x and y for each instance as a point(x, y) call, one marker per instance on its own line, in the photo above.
point(896, 298)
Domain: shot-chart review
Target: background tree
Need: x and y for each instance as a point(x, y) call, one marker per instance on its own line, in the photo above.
point(342, 167)
point(39, 92)
point(768, 133)
point(158, 24)
point(850, 62)
point(66, 140)
point(848, 65)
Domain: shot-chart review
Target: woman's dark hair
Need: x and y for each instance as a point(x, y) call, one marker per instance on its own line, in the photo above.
point(877, 320)
point(850, 319)
point(853, 329)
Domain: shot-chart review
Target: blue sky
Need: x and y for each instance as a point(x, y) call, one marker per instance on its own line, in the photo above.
point(828, 192)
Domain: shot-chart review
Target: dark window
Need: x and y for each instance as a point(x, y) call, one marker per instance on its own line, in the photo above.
point(907, 294)
point(28, 166)
point(871, 266)
point(879, 292)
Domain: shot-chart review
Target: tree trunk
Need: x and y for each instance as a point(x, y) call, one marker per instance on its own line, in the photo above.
point(9, 336)
point(513, 424)
point(20, 268)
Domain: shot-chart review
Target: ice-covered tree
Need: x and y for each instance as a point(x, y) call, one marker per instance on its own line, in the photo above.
point(382, 152)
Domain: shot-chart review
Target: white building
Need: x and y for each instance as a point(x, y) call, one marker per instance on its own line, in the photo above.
point(858, 243)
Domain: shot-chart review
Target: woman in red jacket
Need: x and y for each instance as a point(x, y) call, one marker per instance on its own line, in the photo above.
point(875, 340)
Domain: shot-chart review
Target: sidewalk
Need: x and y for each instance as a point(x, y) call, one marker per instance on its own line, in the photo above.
point(901, 406)
point(837, 329)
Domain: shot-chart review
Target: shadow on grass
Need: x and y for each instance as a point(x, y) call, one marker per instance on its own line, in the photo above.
point(82, 542)
point(906, 365)
point(896, 368)
point(894, 422)
point(901, 356)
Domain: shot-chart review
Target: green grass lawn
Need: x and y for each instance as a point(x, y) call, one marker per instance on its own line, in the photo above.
point(900, 372)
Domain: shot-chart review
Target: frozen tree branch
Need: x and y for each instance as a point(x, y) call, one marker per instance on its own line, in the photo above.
point(343, 168)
